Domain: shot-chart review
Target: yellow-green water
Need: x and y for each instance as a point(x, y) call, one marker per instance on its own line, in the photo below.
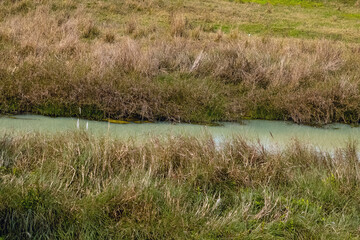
point(269, 133)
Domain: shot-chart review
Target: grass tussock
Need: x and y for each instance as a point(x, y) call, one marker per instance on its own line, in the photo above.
point(74, 186)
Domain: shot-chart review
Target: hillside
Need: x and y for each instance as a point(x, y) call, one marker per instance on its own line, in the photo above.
point(182, 60)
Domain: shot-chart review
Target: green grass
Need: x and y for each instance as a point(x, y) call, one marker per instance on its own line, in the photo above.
point(75, 186)
point(286, 30)
point(302, 3)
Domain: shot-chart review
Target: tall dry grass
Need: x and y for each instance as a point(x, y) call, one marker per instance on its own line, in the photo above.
point(54, 60)
point(75, 186)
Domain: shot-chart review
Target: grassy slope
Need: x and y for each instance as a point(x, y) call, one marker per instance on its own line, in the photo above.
point(136, 59)
point(73, 186)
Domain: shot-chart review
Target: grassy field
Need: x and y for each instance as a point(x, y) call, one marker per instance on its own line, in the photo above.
point(182, 60)
point(75, 186)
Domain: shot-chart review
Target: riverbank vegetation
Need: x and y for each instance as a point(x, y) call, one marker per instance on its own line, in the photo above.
point(183, 61)
point(75, 186)
point(189, 61)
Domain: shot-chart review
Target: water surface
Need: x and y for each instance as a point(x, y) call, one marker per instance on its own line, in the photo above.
point(269, 133)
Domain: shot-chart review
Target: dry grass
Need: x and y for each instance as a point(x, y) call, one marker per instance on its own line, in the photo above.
point(76, 186)
point(178, 25)
point(160, 62)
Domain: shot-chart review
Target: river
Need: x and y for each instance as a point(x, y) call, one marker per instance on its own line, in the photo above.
point(268, 133)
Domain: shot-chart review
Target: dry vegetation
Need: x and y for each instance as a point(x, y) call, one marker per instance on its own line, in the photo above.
point(75, 186)
point(179, 60)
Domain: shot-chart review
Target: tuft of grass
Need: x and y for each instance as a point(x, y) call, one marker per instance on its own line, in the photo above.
point(178, 25)
point(109, 38)
point(91, 31)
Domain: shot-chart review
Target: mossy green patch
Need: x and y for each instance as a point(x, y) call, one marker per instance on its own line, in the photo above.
point(287, 31)
point(302, 3)
point(11, 105)
point(267, 112)
point(116, 121)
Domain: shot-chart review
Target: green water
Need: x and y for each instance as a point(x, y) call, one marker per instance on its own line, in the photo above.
point(269, 133)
